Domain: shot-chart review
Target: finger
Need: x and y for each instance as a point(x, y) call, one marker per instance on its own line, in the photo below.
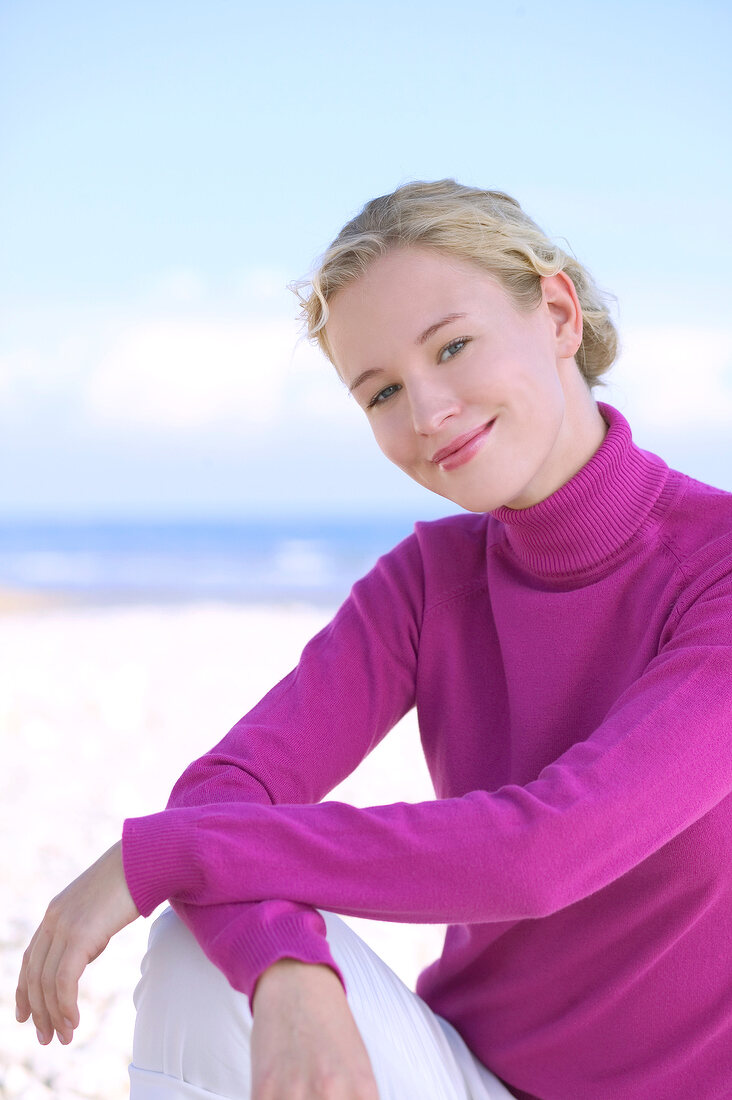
point(36, 998)
point(22, 1002)
point(57, 952)
point(70, 968)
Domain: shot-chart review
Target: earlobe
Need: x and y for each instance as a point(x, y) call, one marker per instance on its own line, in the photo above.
point(562, 302)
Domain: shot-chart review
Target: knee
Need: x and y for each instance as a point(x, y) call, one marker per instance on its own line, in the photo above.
point(191, 1024)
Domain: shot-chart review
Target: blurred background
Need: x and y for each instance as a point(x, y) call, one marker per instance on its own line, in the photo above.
point(167, 168)
point(186, 490)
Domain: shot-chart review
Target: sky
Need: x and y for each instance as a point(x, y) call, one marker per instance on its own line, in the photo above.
point(166, 168)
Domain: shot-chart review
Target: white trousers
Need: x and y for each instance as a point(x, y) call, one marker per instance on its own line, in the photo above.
point(193, 1030)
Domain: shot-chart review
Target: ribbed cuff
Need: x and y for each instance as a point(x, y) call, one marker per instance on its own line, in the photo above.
point(298, 936)
point(158, 856)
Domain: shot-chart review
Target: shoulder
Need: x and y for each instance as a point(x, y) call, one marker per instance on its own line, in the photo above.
point(699, 518)
point(440, 560)
point(697, 529)
point(453, 551)
point(468, 530)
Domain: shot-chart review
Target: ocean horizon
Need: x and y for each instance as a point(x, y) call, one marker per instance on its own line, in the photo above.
point(257, 560)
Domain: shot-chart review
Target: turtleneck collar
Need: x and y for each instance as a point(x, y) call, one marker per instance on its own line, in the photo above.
point(596, 513)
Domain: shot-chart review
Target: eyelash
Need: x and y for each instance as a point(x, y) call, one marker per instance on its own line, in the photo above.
point(379, 399)
point(461, 340)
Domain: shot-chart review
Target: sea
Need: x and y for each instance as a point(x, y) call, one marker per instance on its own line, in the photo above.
point(265, 560)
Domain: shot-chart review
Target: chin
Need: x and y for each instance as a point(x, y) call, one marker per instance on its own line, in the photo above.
point(470, 502)
point(479, 506)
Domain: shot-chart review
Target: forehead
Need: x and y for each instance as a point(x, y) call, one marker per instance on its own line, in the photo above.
point(404, 292)
point(407, 276)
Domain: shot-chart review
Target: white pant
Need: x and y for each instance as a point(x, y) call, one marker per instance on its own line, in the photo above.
point(193, 1029)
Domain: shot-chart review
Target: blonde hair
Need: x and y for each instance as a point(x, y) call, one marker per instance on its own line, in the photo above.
point(487, 228)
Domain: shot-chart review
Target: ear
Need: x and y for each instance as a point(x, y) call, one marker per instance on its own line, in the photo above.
point(560, 296)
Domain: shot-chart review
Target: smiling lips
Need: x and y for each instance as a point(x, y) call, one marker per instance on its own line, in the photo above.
point(463, 448)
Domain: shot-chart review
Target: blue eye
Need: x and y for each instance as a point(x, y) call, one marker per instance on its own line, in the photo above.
point(383, 395)
point(452, 349)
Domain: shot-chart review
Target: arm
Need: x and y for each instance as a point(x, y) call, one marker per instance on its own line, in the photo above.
point(665, 746)
point(354, 681)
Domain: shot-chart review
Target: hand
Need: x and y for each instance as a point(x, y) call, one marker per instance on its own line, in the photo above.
point(305, 1043)
point(78, 925)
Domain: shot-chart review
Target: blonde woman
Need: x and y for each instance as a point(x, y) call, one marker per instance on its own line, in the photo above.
point(567, 641)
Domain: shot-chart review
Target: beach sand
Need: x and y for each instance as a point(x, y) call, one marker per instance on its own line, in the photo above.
point(101, 708)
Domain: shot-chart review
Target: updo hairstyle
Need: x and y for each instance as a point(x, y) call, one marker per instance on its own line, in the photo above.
point(487, 228)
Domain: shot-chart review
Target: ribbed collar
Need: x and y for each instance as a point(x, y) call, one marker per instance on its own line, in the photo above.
point(592, 517)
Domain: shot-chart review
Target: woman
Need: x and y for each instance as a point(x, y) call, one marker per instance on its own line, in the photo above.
point(568, 645)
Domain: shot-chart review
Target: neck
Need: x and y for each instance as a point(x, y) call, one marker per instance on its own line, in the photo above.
point(581, 435)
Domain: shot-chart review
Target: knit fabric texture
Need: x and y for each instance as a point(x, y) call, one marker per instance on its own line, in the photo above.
point(571, 665)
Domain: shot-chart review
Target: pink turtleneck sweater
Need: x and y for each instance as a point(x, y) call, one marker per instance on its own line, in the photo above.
point(571, 665)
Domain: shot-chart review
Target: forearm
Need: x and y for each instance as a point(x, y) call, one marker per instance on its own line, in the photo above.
point(602, 808)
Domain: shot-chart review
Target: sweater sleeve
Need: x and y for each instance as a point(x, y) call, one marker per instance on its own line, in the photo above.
point(660, 760)
point(354, 681)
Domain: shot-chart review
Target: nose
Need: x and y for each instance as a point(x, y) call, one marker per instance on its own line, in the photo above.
point(431, 405)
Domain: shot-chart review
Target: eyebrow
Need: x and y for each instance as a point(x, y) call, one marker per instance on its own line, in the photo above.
point(428, 332)
point(421, 339)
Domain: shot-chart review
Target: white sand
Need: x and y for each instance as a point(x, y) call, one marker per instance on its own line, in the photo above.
point(100, 711)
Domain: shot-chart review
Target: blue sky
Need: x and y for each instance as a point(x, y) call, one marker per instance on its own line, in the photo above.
point(167, 167)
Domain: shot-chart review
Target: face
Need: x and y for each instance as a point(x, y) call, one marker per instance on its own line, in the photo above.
point(473, 398)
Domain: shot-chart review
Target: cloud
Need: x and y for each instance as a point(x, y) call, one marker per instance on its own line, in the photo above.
point(263, 288)
point(14, 364)
point(177, 286)
point(677, 376)
point(170, 368)
point(190, 374)
point(315, 391)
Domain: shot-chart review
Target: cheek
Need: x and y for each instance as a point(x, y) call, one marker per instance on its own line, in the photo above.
point(394, 452)
point(395, 446)
point(382, 439)
point(390, 438)
point(533, 382)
